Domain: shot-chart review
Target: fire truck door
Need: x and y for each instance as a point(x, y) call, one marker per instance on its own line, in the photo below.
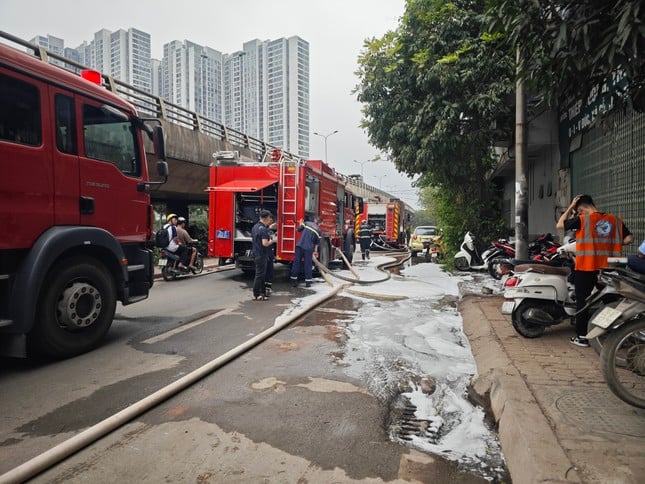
point(65, 157)
point(110, 168)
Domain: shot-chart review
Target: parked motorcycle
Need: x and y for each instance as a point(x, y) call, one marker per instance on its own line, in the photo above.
point(433, 250)
point(623, 327)
point(170, 269)
point(473, 255)
point(541, 250)
point(538, 296)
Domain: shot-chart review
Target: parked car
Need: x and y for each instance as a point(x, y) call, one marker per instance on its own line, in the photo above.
point(421, 234)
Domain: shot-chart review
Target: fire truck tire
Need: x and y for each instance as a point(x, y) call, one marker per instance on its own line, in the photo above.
point(75, 308)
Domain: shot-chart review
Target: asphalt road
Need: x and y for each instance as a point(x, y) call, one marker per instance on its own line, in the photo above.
point(283, 412)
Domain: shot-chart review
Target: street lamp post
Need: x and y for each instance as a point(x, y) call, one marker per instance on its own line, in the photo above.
point(326, 136)
point(362, 163)
point(380, 180)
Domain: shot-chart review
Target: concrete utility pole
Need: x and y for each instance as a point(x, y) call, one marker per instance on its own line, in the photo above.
point(521, 185)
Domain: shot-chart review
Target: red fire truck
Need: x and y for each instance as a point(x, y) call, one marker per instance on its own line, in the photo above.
point(290, 189)
point(387, 219)
point(75, 210)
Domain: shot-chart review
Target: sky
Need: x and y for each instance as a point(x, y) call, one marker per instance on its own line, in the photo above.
point(335, 30)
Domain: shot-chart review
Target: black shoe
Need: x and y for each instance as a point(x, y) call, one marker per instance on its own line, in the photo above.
point(307, 284)
point(580, 341)
point(294, 282)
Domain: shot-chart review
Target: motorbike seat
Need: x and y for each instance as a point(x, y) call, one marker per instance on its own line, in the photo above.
point(543, 269)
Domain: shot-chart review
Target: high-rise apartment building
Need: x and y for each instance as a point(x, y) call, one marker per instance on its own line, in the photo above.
point(266, 92)
point(130, 59)
point(52, 44)
point(191, 76)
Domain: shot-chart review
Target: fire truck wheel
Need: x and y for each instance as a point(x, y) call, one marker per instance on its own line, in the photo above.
point(75, 309)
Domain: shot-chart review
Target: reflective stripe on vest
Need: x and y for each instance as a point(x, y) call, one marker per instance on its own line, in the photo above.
point(312, 229)
point(600, 236)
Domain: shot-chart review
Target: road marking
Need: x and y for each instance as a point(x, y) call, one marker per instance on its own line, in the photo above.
point(181, 329)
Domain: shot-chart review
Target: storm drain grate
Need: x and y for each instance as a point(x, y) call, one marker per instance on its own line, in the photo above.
point(406, 425)
point(594, 409)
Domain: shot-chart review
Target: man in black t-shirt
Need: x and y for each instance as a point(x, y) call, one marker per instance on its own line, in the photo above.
point(262, 242)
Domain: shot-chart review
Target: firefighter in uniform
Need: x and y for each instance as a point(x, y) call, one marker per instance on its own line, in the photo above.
point(365, 239)
point(598, 236)
point(305, 248)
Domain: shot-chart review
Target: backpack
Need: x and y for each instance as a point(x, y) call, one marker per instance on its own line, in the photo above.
point(162, 238)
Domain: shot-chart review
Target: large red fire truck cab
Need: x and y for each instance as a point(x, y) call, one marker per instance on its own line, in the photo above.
point(75, 207)
point(292, 190)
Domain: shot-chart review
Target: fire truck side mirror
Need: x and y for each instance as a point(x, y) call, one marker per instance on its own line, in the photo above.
point(162, 169)
point(159, 144)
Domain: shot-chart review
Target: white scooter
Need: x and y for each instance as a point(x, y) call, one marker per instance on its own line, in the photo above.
point(472, 255)
point(539, 295)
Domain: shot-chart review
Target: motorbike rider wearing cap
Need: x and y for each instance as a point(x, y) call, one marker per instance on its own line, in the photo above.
point(175, 246)
point(186, 240)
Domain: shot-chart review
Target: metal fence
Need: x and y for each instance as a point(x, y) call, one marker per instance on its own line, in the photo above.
point(610, 166)
point(148, 105)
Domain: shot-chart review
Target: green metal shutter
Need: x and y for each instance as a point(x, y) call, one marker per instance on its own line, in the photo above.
point(610, 166)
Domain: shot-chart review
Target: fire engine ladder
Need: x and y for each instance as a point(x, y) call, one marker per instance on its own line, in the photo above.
point(288, 191)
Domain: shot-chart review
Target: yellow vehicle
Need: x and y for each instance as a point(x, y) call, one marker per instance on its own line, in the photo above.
point(421, 234)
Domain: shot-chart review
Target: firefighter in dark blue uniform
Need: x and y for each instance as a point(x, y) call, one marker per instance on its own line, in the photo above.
point(305, 249)
point(365, 239)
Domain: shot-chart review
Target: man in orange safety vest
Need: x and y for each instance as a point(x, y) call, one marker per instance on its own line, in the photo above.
point(598, 235)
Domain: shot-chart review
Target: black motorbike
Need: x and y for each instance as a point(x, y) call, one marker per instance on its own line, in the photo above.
point(170, 269)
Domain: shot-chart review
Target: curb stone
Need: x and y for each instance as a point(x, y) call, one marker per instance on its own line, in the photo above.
point(531, 448)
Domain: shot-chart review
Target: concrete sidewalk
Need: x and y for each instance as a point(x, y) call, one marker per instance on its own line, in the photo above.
point(558, 421)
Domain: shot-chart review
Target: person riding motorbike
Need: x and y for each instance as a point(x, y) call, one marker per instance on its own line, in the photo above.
point(187, 240)
point(175, 246)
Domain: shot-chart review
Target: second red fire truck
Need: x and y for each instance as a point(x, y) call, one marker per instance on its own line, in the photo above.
point(292, 190)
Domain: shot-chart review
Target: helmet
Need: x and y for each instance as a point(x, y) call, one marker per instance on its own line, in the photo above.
point(171, 216)
point(181, 220)
point(364, 222)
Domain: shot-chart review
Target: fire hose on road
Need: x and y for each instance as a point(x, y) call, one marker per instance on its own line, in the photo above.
point(56, 454)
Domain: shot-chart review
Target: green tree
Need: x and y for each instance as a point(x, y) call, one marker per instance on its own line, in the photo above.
point(432, 94)
point(568, 47)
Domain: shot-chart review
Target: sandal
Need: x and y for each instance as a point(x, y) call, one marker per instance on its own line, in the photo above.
point(261, 297)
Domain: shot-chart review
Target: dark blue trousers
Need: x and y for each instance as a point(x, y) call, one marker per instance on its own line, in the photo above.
point(306, 256)
point(260, 275)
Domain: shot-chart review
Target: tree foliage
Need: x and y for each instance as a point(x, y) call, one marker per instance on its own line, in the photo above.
point(568, 47)
point(432, 94)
